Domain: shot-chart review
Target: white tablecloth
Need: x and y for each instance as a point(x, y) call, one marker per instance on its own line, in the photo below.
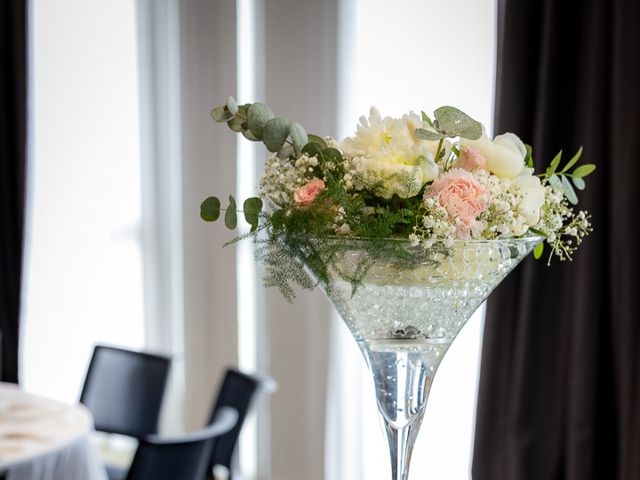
point(42, 439)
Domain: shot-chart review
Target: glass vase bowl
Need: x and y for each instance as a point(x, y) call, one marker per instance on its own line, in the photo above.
point(404, 306)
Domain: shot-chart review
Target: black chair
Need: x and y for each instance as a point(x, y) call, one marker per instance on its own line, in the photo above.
point(237, 391)
point(180, 458)
point(124, 389)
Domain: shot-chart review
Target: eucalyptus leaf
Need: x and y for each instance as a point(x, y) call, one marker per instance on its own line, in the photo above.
point(583, 170)
point(423, 134)
point(456, 123)
point(232, 105)
point(425, 118)
point(556, 183)
point(299, 136)
point(275, 133)
point(230, 216)
point(573, 160)
point(537, 252)
point(221, 114)
point(210, 209)
point(242, 110)
point(248, 134)
point(579, 183)
point(258, 114)
point(235, 123)
point(312, 149)
point(332, 155)
point(317, 139)
point(252, 208)
point(285, 152)
point(569, 192)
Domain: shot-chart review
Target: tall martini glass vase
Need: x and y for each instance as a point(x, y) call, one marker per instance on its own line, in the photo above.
point(404, 307)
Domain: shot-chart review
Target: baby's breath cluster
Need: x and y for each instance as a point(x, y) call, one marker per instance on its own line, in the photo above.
point(502, 218)
point(563, 228)
point(279, 181)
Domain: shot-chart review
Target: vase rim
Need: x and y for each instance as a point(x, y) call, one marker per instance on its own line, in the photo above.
point(474, 241)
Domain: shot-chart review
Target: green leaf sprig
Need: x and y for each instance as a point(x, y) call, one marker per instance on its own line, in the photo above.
point(559, 179)
point(252, 208)
point(258, 123)
point(449, 123)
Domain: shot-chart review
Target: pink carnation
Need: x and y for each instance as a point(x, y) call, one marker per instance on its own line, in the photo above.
point(307, 193)
point(471, 159)
point(463, 197)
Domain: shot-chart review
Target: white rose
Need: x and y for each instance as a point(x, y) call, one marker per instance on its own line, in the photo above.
point(532, 193)
point(507, 160)
point(505, 154)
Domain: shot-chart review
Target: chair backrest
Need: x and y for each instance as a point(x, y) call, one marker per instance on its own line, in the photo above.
point(186, 458)
point(236, 390)
point(124, 389)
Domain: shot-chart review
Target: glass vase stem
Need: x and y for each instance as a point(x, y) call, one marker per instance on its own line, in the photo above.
point(402, 372)
point(401, 441)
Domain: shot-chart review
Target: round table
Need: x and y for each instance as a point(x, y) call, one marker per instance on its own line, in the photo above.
point(42, 439)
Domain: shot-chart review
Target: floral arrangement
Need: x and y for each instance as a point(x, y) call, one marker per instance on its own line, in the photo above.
point(429, 181)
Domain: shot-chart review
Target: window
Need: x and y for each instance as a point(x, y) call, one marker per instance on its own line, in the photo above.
point(83, 280)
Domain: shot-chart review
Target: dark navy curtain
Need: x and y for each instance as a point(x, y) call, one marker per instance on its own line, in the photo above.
point(13, 127)
point(560, 380)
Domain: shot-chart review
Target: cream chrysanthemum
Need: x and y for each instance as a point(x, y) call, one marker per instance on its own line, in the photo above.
point(389, 159)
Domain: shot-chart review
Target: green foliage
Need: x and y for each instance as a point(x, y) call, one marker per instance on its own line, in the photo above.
point(252, 208)
point(537, 252)
point(554, 164)
point(560, 179)
point(528, 159)
point(221, 114)
point(569, 192)
point(275, 133)
point(455, 123)
point(236, 122)
point(258, 115)
point(210, 209)
point(573, 160)
point(256, 122)
point(299, 136)
point(449, 122)
point(282, 268)
point(313, 149)
point(295, 259)
point(579, 183)
point(232, 105)
point(423, 134)
point(584, 170)
point(230, 216)
point(316, 139)
point(426, 119)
